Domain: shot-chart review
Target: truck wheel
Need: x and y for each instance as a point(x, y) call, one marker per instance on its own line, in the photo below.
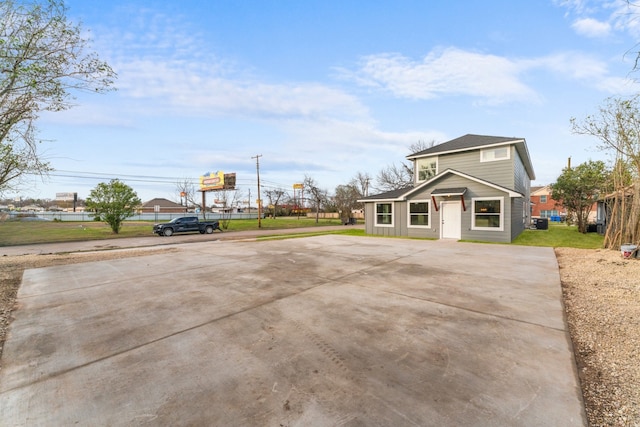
point(168, 232)
point(209, 229)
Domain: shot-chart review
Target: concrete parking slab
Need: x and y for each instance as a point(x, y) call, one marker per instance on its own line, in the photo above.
point(327, 330)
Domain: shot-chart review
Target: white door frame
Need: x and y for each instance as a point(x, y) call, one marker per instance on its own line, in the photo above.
point(453, 218)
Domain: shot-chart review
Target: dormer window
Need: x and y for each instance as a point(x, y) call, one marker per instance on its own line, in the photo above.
point(494, 154)
point(427, 168)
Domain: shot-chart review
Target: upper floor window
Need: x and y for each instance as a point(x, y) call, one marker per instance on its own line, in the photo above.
point(543, 199)
point(494, 154)
point(427, 168)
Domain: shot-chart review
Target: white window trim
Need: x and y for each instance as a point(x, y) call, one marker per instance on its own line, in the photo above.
point(417, 171)
point(428, 201)
point(486, 150)
point(375, 214)
point(473, 214)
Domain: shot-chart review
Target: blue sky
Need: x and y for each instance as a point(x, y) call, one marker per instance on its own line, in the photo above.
point(330, 88)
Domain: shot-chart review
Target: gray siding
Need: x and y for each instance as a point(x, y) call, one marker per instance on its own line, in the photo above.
point(509, 173)
point(517, 224)
point(474, 189)
point(522, 183)
point(399, 220)
point(499, 172)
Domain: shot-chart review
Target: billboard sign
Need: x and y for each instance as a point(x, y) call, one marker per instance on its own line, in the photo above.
point(66, 197)
point(217, 181)
point(212, 181)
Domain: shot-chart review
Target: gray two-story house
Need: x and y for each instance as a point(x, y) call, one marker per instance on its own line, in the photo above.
point(474, 187)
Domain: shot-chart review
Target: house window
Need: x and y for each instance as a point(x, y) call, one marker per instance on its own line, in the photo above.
point(427, 168)
point(384, 214)
point(419, 214)
point(543, 199)
point(494, 154)
point(488, 213)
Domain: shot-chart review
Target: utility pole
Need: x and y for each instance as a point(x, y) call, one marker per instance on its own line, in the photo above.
point(257, 157)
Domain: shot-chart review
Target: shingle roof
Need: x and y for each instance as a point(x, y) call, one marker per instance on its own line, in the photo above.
point(164, 203)
point(470, 141)
point(464, 143)
point(393, 194)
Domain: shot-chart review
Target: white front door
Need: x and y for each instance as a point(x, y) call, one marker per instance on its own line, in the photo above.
point(450, 219)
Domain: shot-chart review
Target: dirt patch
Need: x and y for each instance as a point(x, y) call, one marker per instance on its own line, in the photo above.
point(602, 301)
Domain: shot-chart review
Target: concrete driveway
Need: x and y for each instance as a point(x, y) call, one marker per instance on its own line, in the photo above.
point(319, 331)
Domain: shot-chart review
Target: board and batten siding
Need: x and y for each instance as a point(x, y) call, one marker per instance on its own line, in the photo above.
point(399, 220)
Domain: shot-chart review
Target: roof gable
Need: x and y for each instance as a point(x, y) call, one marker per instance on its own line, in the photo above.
point(511, 192)
point(163, 203)
point(404, 193)
point(470, 142)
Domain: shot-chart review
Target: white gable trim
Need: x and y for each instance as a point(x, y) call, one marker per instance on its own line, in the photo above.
point(474, 148)
point(511, 193)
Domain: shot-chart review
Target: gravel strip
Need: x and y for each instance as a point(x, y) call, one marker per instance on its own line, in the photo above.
point(602, 301)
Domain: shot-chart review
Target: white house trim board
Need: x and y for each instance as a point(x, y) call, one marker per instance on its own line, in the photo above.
point(429, 213)
point(478, 147)
point(391, 214)
point(511, 193)
point(473, 214)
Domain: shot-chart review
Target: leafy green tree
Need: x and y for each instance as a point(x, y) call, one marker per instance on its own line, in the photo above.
point(42, 59)
point(579, 188)
point(112, 203)
point(617, 126)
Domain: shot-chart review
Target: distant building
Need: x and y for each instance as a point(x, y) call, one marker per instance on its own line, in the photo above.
point(164, 206)
point(543, 206)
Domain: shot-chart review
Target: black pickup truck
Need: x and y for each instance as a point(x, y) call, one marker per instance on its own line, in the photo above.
point(185, 224)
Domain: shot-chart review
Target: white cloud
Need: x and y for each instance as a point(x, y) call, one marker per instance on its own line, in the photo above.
point(590, 27)
point(192, 89)
point(490, 78)
point(450, 71)
point(599, 18)
point(572, 65)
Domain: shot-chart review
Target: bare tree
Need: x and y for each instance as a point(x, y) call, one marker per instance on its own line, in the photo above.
point(274, 196)
point(187, 190)
point(361, 182)
point(228, 198)
point(346, 200)
point(42, 60)
point(395, 177)
point(317, 195)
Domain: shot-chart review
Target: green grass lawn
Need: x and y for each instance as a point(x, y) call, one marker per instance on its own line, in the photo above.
point(560, 235)
point(30, 232)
